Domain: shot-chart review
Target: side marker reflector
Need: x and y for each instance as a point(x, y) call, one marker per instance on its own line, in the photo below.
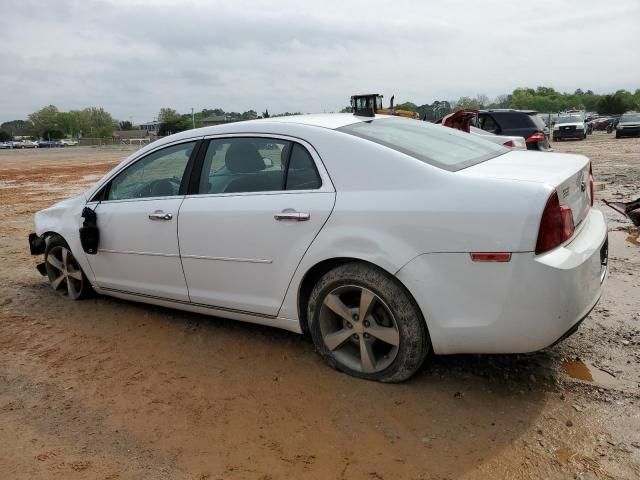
point(491, 257)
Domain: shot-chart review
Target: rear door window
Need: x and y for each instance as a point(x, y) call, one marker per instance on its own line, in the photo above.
point(256, 164)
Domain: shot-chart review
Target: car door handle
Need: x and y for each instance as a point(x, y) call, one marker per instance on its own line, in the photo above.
point(160, 215)
point(292, 216)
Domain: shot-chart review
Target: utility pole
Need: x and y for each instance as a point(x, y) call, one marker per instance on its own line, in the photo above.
point(193, 118)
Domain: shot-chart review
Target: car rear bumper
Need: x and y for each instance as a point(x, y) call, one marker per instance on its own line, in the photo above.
point(513, 307)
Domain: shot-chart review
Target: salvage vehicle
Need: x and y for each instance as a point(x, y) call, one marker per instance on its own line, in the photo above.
point(523, 123)
point(629, 125)
point(464, 120)
point(570, 126)
point(383, 238)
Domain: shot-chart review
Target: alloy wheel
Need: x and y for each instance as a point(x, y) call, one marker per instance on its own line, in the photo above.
point(359, 329)
point(64, 272)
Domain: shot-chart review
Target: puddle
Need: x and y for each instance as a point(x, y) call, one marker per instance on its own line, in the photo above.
point(587, 372)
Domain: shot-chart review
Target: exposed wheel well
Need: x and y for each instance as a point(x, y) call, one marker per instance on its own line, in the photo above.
point(47, 235)
point(315, 273)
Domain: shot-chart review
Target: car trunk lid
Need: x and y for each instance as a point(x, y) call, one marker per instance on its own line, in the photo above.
point(567, 174)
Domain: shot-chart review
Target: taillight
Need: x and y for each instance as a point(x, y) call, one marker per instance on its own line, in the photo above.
point(536, 137)
point(556, 225)
point(509, 143)
point(591, 189)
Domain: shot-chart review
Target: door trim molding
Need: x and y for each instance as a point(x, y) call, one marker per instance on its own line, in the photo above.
point(184, 302)
point(133, 252)
point(227, 259)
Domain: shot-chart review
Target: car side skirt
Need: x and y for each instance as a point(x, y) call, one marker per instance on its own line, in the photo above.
point(210, 310)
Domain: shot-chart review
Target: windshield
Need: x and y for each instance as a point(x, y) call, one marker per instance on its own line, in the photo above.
point(569, 119)
point(439, 146)
point(630, 117)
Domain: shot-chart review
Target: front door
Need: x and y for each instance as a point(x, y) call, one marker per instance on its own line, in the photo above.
point(138, 221)
point(260, 204)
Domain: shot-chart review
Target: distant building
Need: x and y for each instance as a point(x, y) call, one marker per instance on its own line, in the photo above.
point(216, 120)
point(126, 134)
point(151, 128)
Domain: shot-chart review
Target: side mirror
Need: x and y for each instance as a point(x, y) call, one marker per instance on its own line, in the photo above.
point(268, 163)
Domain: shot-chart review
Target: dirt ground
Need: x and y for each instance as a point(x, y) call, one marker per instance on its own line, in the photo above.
point(106, 389)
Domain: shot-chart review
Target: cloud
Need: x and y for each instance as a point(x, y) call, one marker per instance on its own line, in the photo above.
point(133, 57)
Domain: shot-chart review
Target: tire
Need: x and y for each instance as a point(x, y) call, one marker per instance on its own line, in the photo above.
point(353, 345)
point(555, 139)
point(64, 272)
point(618, 135)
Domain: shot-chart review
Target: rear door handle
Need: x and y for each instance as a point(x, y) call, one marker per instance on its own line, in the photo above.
point(160, 215)
point(292, 216)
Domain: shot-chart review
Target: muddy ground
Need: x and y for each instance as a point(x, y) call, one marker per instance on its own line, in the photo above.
point(114, 390)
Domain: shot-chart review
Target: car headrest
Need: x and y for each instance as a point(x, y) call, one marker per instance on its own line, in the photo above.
point(242, 157)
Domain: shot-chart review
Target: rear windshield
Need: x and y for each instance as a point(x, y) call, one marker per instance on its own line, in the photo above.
point(630, 117)
point(436, 145)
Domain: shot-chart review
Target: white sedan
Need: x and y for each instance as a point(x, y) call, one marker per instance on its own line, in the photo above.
point(383, 238)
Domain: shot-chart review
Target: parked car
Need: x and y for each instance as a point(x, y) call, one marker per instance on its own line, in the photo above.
point(570, 126)
point(6, 145)
point(521, 123)
point(463, 120)
point(382, 237)
point(629, 125)
point(49, 143)
point(602, 123)
point(25, 144)
point(68, 143)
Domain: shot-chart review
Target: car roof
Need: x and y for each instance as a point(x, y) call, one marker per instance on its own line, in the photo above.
point(322, 120)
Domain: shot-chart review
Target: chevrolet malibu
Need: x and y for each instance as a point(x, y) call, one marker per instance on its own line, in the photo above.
point(382, 238)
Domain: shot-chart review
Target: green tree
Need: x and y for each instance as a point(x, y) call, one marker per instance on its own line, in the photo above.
point(612, 105)
point(174, 126)
point(168, 115)
point(5, 136)
point(52, 134)
point(17, 127)
point(104, 132)
point(410, 106)
point(125, 125)
point(44, 119)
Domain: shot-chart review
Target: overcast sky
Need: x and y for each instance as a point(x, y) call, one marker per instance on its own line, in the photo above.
point(134, 57)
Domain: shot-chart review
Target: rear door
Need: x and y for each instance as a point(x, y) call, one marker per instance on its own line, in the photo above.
point(138, 220)
point(260, 202)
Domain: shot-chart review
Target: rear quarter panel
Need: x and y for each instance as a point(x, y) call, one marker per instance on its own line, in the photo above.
point(391, 208)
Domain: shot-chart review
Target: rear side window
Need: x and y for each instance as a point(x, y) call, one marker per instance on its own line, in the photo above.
point(302, 173)
point(436, 145)
point(252, 164)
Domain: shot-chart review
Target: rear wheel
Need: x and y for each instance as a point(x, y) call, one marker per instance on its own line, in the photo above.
point(65, 275)
point(364, 323)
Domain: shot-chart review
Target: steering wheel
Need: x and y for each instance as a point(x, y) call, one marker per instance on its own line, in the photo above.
point(164, 187)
